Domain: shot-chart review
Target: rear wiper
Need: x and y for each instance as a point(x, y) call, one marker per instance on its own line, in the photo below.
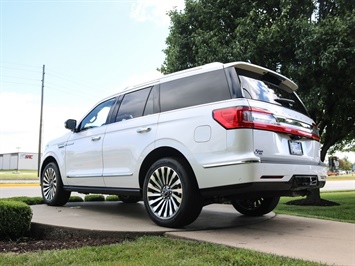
point(284, 101)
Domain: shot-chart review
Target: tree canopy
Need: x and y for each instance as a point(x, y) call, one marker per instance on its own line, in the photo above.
point(310, 41)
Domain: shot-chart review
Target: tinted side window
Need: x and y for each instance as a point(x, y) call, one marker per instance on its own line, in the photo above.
point(194, 90)
point(133, 105)
point(98, 116)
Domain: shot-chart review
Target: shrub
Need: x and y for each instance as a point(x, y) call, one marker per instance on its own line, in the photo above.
point(112, 198)
point(94, 197)
point(15, 219)
point(75, 199)
point(28, 200)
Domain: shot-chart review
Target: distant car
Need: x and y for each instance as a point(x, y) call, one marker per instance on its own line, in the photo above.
point(232, 131)
point(330, 173)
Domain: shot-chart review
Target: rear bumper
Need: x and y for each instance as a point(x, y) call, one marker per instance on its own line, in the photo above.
point(263, 179)
point(296, 186)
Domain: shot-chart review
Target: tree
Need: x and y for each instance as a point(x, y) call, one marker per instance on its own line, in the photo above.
point(345, 164)
point(312, 42)
point(309, 41)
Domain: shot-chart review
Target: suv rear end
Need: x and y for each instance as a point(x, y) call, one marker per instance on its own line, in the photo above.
point(272, 145)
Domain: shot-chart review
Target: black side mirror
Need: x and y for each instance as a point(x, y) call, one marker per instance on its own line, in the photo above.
point(70, 124)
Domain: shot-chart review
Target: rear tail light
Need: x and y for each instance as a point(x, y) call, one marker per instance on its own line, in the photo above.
point(246, 117)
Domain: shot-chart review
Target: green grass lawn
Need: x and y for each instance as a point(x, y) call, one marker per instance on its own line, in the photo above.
point(345, 212)
point(341, 177)
point(21, 175)
point(151, 250)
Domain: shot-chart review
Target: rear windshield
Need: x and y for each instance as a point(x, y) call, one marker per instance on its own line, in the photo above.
point(267, 92)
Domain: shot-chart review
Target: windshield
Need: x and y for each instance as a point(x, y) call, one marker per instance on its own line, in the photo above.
point(267, 92)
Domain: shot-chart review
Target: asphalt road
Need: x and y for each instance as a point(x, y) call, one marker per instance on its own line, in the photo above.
point(33, 190)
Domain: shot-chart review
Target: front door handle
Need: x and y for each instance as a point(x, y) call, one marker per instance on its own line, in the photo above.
point(144, 130)
point(96, 138)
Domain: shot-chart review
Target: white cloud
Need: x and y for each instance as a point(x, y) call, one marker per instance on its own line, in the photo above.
point(154, 10)
point(20, 117)
point(19, 121)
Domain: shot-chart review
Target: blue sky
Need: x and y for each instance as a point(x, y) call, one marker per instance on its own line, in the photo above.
point(90, 49)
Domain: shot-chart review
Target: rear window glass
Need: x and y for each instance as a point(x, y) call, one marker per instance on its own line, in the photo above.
point(267, 92)
point(194, 90)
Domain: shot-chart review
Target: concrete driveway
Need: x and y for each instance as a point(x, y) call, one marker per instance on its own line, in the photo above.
point(304, 238)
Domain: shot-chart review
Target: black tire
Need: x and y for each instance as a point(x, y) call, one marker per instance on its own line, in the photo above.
point(52, 186)
point(256, 206)
point(170, 193)
point(129, 199)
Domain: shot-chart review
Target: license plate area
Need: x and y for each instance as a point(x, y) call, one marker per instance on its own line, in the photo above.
point(295, 147)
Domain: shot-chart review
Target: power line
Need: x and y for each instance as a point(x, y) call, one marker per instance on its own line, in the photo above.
point(67, 78)
point(20, 69)
point(17, 64)
point(19, 83)
point(16, 77)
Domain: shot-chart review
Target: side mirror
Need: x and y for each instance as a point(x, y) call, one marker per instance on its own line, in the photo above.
point(70, 124)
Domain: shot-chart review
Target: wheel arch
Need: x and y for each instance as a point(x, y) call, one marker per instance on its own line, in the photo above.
point(163, 152)
point(49, 159)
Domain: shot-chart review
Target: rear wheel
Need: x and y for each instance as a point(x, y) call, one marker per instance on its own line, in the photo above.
point(129, 199)
point(256, 206)
point(170, 194)
point(52, 187)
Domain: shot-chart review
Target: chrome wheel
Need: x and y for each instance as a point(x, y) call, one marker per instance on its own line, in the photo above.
point(164, 192)
point(49, 183)
point(53, 192)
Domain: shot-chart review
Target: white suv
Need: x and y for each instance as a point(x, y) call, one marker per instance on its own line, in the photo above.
point(232, 131)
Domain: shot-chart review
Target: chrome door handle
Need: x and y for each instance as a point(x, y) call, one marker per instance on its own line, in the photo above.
point(144, 130)
point(96, 138)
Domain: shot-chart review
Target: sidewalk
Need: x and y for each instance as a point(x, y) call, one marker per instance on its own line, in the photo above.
point(317, 240)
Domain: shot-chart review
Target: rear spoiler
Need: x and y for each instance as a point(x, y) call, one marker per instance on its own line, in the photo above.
point(264, 74)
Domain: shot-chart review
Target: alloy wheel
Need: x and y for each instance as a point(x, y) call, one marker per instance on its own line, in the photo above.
point(164, 192)
point(49, 183)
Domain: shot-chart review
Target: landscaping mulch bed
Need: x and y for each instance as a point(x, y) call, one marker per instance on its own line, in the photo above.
point(25, 244)
point(43, 237)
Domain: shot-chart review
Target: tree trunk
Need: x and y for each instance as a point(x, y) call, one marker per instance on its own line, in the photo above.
point(314, 197)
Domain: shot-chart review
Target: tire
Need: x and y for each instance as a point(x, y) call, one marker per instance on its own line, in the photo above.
point(52, 186)
point(170, 193)
point(256, 206)
point(129, 199)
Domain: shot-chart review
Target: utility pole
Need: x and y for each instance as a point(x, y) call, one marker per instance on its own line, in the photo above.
point(40, 126)
point(18, 159)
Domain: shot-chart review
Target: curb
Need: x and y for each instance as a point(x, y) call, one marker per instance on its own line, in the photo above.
point(19, 185)
point(51, 232)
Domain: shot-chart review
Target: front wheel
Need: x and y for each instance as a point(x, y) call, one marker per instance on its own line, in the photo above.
point(256, 206)
point(52, 187)
point(170, 194)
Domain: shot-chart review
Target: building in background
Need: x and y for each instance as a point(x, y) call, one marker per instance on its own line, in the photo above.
point(19, 161)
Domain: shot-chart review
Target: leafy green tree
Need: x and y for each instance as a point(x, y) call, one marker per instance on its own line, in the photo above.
point(312, 42)
point(345, 164)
